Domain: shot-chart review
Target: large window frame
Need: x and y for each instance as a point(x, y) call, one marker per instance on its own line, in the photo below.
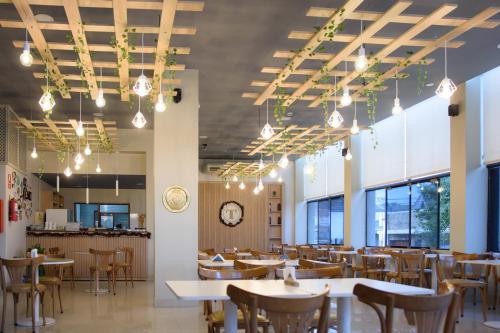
point(493, 220)
point(330, 205)
point(437, 180)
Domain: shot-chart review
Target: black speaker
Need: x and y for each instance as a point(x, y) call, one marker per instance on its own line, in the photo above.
point(178, 96)
point(344, 152)
point(453, 110)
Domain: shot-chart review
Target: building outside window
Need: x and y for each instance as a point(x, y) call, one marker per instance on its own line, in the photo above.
point(325, 221)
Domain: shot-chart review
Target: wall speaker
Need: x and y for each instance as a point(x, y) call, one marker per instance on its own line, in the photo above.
point(453, 110)
point(344, 152)
point(178, 96)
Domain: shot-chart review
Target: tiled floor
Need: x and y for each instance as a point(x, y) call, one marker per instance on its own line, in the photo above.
point(131, 311)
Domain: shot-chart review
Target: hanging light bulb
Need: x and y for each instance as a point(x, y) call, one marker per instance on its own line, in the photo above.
point(256, 190)
point(235, 178)
point(446, 88)
point(87, 194)
point(47, 101)
point(100, 102)
point(34, 154)
point(242, 185)
point(227, 186)
point(98, 168)
point(139, 120)
point(280, 180)
point(267, 131)
point(355, 127)
point(26, 58)
point(273, 173)
point(283, 162)
point(160, 105)
point(348, 155)
point(68, 172)
point(79, 159)
point(142, 86)
point(361, 63)
point(79, 128)
point(346, 99)
point(117, 187)
point(77, 167)
point(335, 120)
point(87, 151)
point(397, 109)
point(261, 185)
point(57, 183)
point(309, 168)
point(261, 164)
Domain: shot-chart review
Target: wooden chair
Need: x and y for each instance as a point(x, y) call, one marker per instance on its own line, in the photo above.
point(66, 268)
point(308, 253)
point(103, 261)
point(409, 268)
point(53, 278)
point(126, 265)
point(373, 268)
point(291, 315)
point(16, 270)
point(54, 250)
point(229, 256)
point(304, 263)
point(215, 319)
point(427, 313)
point(314, 273)
point(210, 252)
point(474, 272)
point(446, 267)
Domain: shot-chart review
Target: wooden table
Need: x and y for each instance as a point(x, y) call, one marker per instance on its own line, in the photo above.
point(342, 289)
point(255, 262)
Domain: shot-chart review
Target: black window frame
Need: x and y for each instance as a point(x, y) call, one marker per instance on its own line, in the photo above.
point(493, 210)
point(408, 183)
point(329, 199)
point(99, 213)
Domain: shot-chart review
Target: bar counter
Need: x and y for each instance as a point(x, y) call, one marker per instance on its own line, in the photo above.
point(76, 244)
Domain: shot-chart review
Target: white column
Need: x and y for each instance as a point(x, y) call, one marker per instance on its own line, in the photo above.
point(176, 163)
point(468, 177)
point(354, 196)
point(300, 204)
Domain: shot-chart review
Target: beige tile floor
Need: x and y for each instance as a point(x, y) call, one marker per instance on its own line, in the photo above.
point(131, 311)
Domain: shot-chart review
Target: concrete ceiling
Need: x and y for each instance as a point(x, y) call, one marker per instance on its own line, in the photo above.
point(235, 39)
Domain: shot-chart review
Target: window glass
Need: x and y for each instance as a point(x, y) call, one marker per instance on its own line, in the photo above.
point(398, 217)
point(324, 221)
point(312, 222)
point(444, 213)
point(85, 214)
point(424, 214)
point(337, 220)
point(375, 218)
point(114, 208)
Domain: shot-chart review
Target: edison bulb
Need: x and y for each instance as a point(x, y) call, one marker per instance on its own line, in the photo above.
point(235, 178)
point(273, 173)
point(98, 168)
point(68, 172)
point(87, 151)
point(79, 129)
point(100, 102)
point(261, 164)
point(355, 127)
point(160, 104)
point(34, 154)
point(361, 62)
point(79, 158)
point(396, 109)
point(348, 155)
point(26, 58)
point(242, 185)
point(346, 99)
point(261, 185)
point(283, 162)
point(227, 186)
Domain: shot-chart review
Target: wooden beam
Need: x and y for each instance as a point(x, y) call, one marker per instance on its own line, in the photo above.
point(27, 124)
point(122, 49)
point(307, 72)
point(406, 18)
point(322, 86)
point(302, 98)
point(166, 24)
point(188, 6)
point(295, 138)
point(342, 132)
point(235, 165)
point(103, 136)
point(371, 30)
point(109, 64)
point(376, 40)
point(76, 25)
point(114, 79)
point(271, 140)
point(107, 91)
point(59, 135)
point(30, 22)
point(336, 18)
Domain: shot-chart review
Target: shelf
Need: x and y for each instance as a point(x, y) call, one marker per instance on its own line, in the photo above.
point(274, 212)
point(275, 225)
point(275, 238)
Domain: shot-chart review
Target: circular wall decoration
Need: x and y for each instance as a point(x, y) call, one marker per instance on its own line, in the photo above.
point(176, 199)
point(231, 213)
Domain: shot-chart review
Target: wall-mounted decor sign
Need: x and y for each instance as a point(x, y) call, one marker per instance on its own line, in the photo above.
point(176, 199)
point(231, 213)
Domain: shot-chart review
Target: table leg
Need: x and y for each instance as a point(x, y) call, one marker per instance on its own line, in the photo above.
point(344, 305)
point(434, 279)
point(230, 317)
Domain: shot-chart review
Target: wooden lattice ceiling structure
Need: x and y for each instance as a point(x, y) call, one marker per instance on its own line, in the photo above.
point(312, 89)
point(121, 30)
point(60, 135)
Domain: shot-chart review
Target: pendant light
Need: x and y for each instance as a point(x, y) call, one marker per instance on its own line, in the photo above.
point(283, 162)
point(235, 178)
point(79, 159)
point(142, 86)
point(57, 183)
point(139, 120)
point(397, 109)
point(98, 167)
point(26, 58)
point(348, 154)
point(227, 186)
point(117, 187)
point(267, 131)
point(100, 102)
point(273, 173)
point(256, 189)
point(47, 101)
point(261, 184)
point(446, 88)
point(87, 194)
point(77, 167)
point(361, 63)
point(355, 127)
point(79, 129)
point(335, 120)
point(67, 171)
point(261, 163)
point(242, 185)
point(34, 154)
point(309, 168)
point(160, 105)
point(87, 151)
point(280, 180)
point(346, 98)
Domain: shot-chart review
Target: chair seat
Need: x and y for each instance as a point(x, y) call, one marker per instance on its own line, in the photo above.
point(217, 318)
point(466, 283)
point(50, 280)
point(122, 264)
point(331, 320)
point(102, 268)
point(25, 288)
point(392, 275)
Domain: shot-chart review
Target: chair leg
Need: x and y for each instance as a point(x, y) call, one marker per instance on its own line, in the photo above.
point(113, 276)
point(474, 297)
point(59, 294)
point(109, 284)
point(16, 299)
point(495, 296)
point(33, 313)
point(27, 304)
point(4, 310)
point(125, 275)
point(484, 299)
point(463, 302)
point(131, 274)
point(72, 274)
point(53, 300)
point(95, 281)
point(42, 297)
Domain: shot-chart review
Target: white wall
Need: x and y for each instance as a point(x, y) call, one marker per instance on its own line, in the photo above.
point(327, 178)
point(491, 115)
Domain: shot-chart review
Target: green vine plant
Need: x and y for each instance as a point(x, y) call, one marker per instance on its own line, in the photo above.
point(124, 53)
point(422, 75)
point(279, 110)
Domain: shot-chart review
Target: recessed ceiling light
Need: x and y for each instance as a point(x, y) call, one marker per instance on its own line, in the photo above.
point(44, 18)
point(498, 46)
point(430, 84)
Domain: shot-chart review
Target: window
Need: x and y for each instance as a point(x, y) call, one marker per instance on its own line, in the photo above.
point(493, 208)
point(110, 216)
point(325, 221)
point(415, 214)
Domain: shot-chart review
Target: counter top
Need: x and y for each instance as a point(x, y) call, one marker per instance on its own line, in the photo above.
point(105, 233)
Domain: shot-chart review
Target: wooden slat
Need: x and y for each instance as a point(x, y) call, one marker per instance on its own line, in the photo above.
point(166, 24)
point(260, 83)
point(121, 36)
point(341, 133)
point(76, 26)
point(101, 129)
point(234, 166)
point(114, 79)
point(302, 98)
point(295, 138)
point(29, 20)
point(271, 140)
point(371, 30)
point(308, 72)
point(109, 64)
point(406, 18)
point(60, 136)
point(107, 91)
point(312, 44)
point(26, 123)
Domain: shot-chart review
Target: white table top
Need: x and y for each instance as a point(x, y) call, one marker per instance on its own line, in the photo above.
point(378, 255)
point(243, 254)
point(210, 263)
point(255, 262)
point(480, 262)
point(57, 261)
point(202, 290)
point(343, 252)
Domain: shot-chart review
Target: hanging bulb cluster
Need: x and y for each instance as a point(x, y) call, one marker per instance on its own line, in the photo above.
point(142, 86)
point(446, 88)
point(26, 58)
point(267, 131)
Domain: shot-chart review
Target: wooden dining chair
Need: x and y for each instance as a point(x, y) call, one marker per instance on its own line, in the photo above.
point(304, 263)
point(308, 253)
point(13, 282)
point(215, 319)
point(410, 268)
point(126, 265)
point(291, 315)
point(103, 261)
point(446, 268)
point(229, 256)
point(373, 268)
point(53, 279)
point(474, 272)
point(314, 273)
point(426, 313)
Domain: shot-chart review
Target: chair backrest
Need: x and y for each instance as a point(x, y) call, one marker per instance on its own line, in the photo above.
point(54, 250)
point(129, 254)
point(427, 313)
point(315, 273)
point(305, 263)
point(475, 271)
point(291, 315)
point(210, 252)
point(412, 263)
point(446, 266)
point(229, 256)
point(269, 256)
point(308, 253)
point(17, 269)
point(103, 257)
point(232, 274)
point(54, 270)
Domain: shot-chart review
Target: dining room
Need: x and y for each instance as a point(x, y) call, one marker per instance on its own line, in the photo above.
point(257, 166)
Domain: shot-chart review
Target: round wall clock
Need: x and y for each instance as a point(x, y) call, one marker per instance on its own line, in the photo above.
point(231, 213)
point(176, 199)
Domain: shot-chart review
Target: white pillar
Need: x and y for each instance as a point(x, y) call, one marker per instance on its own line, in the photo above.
point(176, 163)
point(300, 204)
point(468, 177)
point(354, 196)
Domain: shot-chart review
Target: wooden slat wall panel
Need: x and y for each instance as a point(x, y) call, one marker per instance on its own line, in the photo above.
point(252, 232)
point(72, 244)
